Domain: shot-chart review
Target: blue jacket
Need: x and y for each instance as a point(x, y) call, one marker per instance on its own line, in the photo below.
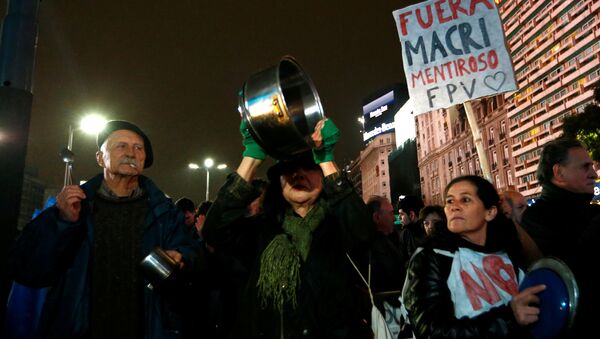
point(56, 253)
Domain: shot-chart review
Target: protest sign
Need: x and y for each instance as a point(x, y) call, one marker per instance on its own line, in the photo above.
point(453, 51)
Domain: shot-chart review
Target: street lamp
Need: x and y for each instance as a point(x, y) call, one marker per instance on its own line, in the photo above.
point(90, 124)
point(208, 164)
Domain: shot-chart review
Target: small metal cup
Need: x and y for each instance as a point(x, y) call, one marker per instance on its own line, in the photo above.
point(157, 267)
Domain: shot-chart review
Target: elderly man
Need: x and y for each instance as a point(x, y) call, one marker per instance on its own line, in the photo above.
point(88, 247)
point(564, 224)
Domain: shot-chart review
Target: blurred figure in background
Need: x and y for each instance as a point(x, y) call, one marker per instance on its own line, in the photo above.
point(433, 219)
point(200, 216)
point(187, 207)
point(387, 274)
point(412, 233)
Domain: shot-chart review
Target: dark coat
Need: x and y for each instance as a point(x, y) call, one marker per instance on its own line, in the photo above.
point(53, 252)
point(565, 225)
point(429, 302)
point(327, 299)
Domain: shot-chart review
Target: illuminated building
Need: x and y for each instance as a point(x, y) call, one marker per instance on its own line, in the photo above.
point(555, 47)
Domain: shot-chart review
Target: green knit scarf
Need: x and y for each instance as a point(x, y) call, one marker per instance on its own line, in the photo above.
point(280, 261)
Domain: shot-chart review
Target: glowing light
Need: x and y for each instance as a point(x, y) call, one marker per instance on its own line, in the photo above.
point(222, 166)
point(208, 163)
point(92, 124)
point(193, 166)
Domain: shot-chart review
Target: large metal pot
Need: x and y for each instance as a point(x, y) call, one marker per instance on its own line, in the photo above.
point(281, 108)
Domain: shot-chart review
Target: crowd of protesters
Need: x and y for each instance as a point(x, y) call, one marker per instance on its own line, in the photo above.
point(268, 258)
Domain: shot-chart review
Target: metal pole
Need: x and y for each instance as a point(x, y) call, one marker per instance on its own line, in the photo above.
point(68, 164)
point(483, 161)
point(207, 182)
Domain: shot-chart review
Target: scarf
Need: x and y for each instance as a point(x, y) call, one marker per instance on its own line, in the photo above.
point(280, 262)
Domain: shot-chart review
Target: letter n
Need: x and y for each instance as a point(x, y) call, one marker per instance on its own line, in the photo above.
point(475, 292)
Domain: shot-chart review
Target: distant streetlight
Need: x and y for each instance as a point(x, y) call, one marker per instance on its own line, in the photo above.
point(208, 164)
point(90, 124)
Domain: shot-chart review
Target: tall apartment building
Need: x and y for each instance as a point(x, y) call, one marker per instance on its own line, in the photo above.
point(555, 47)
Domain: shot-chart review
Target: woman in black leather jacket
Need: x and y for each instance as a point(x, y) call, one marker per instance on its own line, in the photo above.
point(464, 282)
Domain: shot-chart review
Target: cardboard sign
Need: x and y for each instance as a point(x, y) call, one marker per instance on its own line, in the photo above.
point(453, 51)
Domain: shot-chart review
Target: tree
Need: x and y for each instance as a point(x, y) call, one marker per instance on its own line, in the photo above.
point(586, 126)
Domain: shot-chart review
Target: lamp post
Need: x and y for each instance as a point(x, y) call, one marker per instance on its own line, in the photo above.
point(90, 124)
point(208, 164)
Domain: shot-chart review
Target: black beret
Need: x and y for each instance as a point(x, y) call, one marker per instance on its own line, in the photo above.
point(303, 160)
point(115, 125)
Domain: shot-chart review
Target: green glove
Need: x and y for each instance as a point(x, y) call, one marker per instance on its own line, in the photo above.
point(252, 149)
point(330, 134)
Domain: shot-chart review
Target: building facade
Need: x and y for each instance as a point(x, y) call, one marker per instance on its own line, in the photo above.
point(374, 166)
point(555, 47)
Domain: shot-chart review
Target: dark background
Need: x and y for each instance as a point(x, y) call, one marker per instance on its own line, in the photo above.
point(175, 67)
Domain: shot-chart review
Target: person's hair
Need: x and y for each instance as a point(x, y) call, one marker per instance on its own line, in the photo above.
point(430, 209)
point(501, 231)
point(374, 203)
point(204, 207)
point(410, 203)
point(555, 152)
point(185, 205)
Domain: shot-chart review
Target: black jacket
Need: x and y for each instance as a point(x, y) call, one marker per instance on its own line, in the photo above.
point(428, 299)
point(327, 300)
point(565, 225)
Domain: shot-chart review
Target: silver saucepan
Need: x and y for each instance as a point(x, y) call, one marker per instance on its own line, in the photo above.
point(157, 267)
point(281, 108)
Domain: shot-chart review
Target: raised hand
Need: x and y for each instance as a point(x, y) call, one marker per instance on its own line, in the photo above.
point(68, 202)
point(252, 149)
point(325, 136)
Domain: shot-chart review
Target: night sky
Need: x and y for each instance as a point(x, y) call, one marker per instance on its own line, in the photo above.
point(175, 67)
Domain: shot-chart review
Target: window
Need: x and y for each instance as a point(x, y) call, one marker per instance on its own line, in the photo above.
point(491, 135)
point(502, 129)
point(506, 152)
point(494, 158)
point(509, 178)
point(497, 180)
